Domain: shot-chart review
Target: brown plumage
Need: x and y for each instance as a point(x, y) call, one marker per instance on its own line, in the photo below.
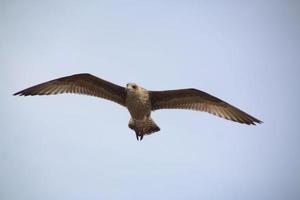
point(200, 101)
point(140, 102)
point(86, 84)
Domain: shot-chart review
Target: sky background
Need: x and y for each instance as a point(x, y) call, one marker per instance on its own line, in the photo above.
point(78, 147)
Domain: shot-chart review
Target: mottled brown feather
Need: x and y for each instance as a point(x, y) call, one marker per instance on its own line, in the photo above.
point(86, 84)
point(201, 101)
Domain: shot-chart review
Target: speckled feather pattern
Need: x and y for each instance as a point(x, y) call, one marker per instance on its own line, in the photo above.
point(85, 84)
point(140, 102)
point(197, 100)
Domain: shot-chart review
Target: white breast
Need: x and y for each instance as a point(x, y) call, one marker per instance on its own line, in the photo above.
point(138, 103)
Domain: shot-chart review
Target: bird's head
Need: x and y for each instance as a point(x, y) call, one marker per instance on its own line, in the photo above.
point(132, 87)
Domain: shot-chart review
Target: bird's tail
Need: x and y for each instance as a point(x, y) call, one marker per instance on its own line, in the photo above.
point(145, 127)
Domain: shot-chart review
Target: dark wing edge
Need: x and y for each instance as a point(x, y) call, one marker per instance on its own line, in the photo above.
point(194, 99)
point(84, 83)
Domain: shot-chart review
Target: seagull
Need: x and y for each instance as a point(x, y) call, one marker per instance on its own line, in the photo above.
point(141, 102)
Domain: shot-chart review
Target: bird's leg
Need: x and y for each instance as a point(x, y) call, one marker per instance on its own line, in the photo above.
point(137, 136)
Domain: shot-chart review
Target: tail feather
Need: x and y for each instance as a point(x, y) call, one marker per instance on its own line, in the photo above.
point(142, 128)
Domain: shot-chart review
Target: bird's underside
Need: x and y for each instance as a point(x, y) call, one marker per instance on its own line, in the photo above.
point(140, 102)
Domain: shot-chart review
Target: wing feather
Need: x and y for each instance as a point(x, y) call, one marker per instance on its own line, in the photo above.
point(86, 84)
point(201, 101)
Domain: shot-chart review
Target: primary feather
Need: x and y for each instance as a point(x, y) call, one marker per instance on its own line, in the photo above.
point(80, 84)
point(201, 101)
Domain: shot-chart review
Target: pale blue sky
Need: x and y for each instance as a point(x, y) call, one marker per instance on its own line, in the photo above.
point(78, 147)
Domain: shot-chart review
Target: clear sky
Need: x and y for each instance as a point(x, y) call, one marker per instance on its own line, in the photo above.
point(78, 147)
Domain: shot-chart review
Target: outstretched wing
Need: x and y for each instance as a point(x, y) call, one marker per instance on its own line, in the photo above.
point(86, 84)
point(198, 100)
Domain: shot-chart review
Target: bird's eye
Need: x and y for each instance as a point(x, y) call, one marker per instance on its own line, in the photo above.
point(134, 86)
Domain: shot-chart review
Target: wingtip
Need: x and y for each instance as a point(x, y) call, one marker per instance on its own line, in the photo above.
point(260, 122)
point(20, 93)
point(256, 122)
point(17, 94)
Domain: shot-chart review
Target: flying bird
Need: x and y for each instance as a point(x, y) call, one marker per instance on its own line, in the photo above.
point(141, 102)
